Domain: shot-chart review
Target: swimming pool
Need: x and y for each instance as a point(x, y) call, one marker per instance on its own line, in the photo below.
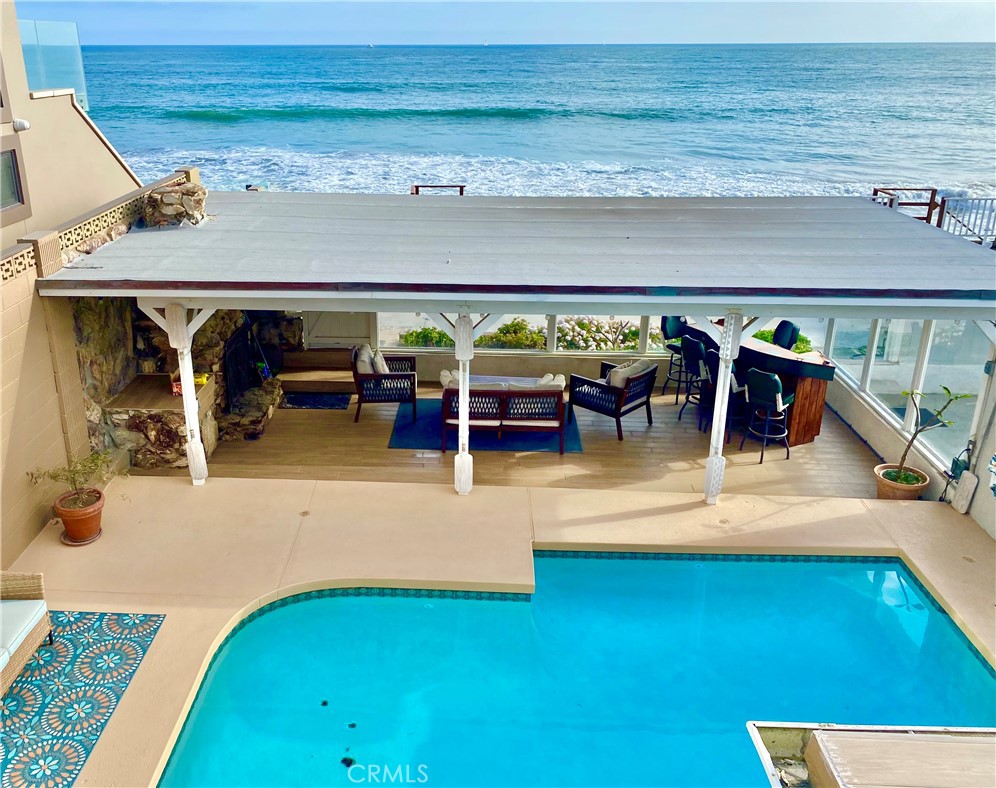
point(620, 670)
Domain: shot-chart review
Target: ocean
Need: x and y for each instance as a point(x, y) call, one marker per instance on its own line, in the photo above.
point(556, 120)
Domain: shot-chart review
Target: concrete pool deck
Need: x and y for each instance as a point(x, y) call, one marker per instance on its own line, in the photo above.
point(207, 556)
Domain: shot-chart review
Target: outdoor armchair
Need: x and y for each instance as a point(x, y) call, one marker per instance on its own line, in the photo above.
point(614, 401)
point(399, 384)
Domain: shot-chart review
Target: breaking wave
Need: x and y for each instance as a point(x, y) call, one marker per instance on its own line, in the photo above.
point(287, 170)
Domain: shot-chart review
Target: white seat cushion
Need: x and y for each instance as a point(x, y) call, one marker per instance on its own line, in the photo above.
point(533, 423)
point(636, 402)
point(478, 423)
point(17, 617)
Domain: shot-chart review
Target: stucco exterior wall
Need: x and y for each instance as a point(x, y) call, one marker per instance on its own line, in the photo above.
point(67, 168)
point(30, 424)
point(67, 165)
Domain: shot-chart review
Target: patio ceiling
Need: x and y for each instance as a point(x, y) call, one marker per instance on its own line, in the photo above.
point(771, 256)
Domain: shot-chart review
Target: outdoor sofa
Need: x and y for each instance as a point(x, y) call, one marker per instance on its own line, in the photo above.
point(506, 407)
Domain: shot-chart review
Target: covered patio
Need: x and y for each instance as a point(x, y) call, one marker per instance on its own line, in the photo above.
point(739, 259)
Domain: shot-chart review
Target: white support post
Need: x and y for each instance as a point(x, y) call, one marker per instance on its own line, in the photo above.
point(874, 332)
point(644, 341)
point(829, 338)
point(551, 333)
point(729, 349)
point(463, 464)
point(180, 332)
point(919, 374)
point(374, 320)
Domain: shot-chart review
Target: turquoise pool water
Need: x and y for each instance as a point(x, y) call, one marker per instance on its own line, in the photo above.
point(618, 671)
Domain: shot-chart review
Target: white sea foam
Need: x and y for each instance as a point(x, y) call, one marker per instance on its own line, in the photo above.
point(288, 170)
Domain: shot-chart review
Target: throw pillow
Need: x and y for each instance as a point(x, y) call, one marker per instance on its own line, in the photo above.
point(618, 376)
point(380, 363)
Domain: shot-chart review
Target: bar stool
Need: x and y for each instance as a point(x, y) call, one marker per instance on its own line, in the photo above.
point(786, 335)
point(693, 365)
point(769, 410)
point(674, 328)
point(735, 407)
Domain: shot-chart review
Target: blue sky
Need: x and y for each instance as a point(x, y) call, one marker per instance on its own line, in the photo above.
point(523, 22)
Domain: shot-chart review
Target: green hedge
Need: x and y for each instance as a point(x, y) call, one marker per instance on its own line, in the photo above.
point(802, 345)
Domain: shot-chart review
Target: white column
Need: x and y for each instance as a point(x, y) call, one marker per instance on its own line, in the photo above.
point(463, 464)
point(179, 338)
point(644, 340)
point(551, 333)
point(729, 348)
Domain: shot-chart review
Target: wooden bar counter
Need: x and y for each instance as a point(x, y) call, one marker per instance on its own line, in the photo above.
point(804, 374)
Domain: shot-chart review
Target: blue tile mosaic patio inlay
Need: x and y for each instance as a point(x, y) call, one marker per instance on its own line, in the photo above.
point(55, 711)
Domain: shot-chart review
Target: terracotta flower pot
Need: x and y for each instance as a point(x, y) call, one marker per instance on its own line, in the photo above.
point(894, 491)
point(82, 525)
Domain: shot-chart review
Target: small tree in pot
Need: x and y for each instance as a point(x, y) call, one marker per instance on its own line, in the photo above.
point(81, 508)
point(904, 482)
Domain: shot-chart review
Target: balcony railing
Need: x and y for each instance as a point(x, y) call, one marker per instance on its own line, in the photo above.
point(918, 202)
point(52, 57)
point(971, 217)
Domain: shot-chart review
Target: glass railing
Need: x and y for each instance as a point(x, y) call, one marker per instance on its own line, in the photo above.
point(52, 57)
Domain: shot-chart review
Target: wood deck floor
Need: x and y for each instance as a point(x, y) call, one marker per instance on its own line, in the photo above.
point(668, 456)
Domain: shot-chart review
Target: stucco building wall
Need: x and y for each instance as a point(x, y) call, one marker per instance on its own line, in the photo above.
point(67, 168)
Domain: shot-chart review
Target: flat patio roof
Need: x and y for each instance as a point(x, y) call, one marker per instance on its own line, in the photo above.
point(771, 256)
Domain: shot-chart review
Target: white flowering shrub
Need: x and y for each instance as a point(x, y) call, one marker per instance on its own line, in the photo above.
point(585, 332)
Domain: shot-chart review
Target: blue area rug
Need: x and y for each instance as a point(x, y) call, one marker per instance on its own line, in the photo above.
point(425, 433)
point(306, 401)
point(54, 712)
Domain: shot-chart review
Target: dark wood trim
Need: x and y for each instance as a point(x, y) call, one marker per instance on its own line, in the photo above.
point(248, 288)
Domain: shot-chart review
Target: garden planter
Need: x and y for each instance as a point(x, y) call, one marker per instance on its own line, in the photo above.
point(894, 491)
point(82, 524)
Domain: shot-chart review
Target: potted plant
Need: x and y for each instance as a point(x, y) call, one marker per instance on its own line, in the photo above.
point(899, 481)
point(79, 509)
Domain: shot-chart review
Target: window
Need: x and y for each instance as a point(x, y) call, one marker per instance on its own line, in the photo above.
point(958, 353)
point(15, 206)
point(850, 345)
point(10, 181)
point(895, 358)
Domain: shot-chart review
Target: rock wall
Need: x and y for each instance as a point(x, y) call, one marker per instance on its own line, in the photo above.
point(175, 204)
point(251, 413)
point(158, 439)
point(104, 345)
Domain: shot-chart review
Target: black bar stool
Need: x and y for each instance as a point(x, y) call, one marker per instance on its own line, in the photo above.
point(786, 335)
point(769, 410)
point(693, 365)
point(673, 328)
point(736, 405)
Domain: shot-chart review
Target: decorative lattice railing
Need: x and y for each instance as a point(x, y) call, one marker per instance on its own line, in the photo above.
point(16, 260)
point(123, 211)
